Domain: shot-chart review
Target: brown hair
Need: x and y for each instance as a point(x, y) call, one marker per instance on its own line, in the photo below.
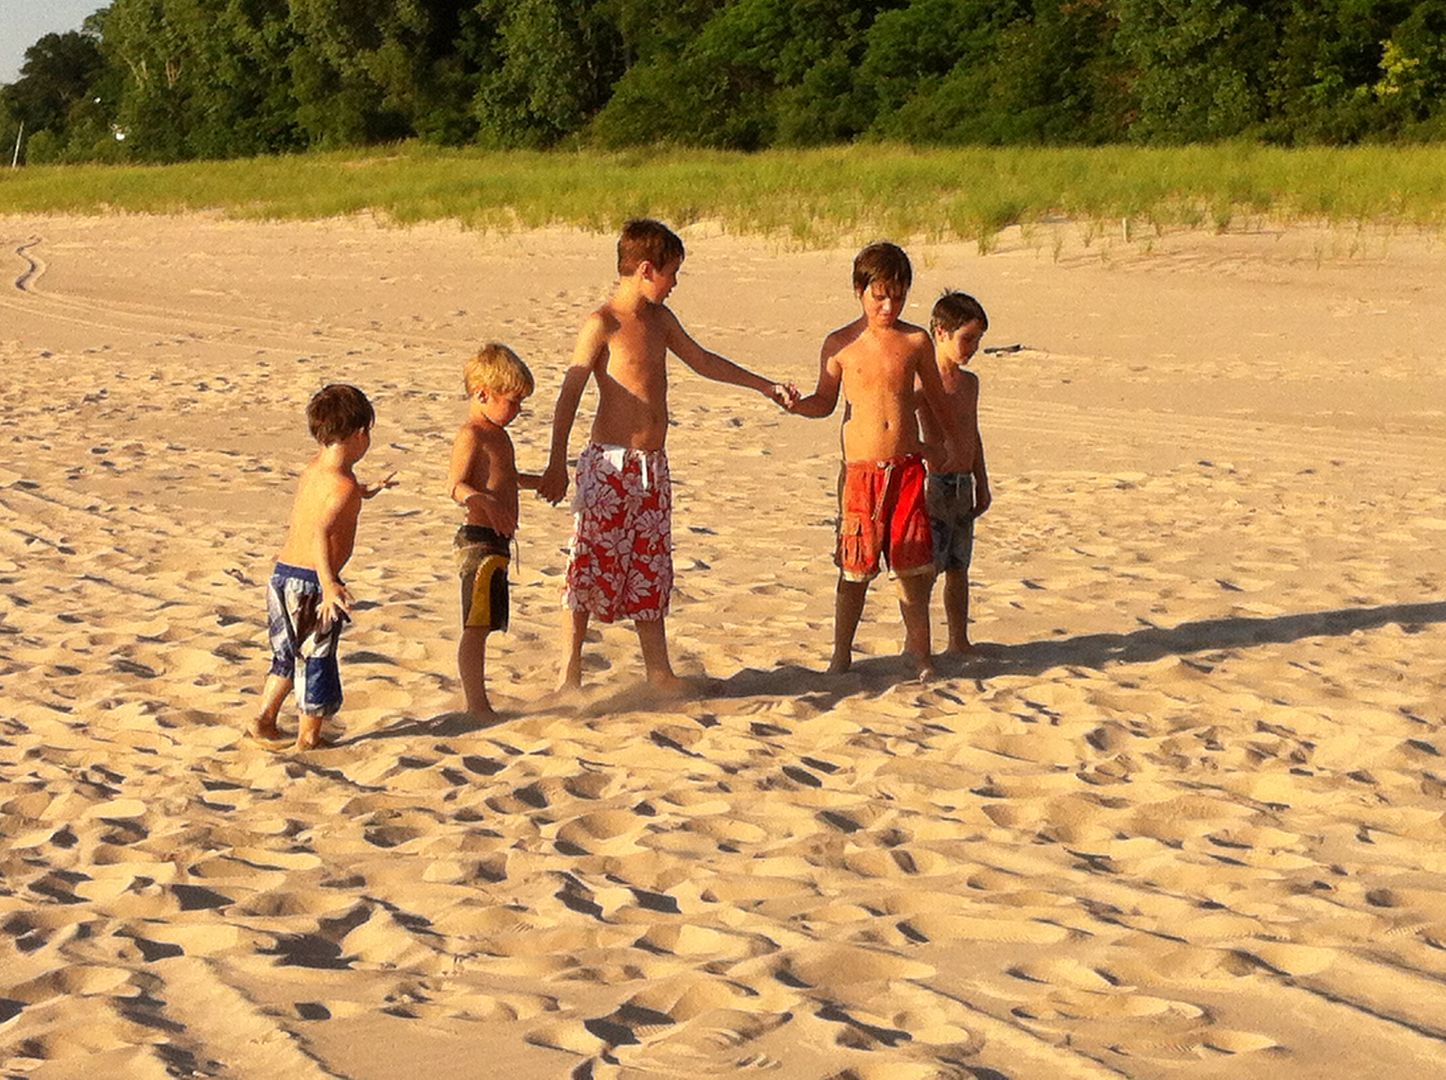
point(883, 262)
point(954, 309)
point(645, 240)
point(498, 370)
point(337, 412)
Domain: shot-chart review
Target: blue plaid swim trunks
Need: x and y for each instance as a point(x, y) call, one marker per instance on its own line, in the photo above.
point(300, 648)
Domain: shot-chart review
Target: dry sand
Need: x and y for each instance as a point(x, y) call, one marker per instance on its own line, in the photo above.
point(1184, 821)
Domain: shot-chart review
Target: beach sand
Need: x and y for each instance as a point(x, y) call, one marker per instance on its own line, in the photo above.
point(1184, 818)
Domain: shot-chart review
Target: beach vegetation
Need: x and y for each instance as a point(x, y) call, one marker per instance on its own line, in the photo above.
point(813, 196)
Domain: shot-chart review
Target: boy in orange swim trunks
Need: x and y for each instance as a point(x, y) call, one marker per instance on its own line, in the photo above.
point(877, 360)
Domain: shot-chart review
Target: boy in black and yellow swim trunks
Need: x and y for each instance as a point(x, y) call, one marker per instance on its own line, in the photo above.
point(484, 479)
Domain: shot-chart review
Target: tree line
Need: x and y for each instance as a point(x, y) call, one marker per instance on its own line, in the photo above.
point(170, 80)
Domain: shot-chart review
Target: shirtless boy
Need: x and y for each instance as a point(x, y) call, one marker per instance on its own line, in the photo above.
point(620, 564)
point(483, 479)
point(306, 602)
point(877, 360)
point(955, 499)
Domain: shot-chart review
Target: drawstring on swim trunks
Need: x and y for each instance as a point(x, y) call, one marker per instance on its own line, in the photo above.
point(617, 457)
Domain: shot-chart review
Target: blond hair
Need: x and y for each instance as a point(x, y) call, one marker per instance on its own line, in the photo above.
point(498, 370)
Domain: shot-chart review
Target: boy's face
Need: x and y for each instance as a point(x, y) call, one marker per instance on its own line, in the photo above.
point(658, 282)
point(959, 346)
point(500, 409)
point(883, 303)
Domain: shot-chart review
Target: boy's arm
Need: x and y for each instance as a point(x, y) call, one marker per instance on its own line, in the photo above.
point(824, 398)
point(720, 369)
point(344, 501)
point(529, 481)
point(982, 495)
point(592, 341)
point(930, 425)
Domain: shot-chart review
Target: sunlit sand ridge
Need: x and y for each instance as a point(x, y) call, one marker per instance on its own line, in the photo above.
point(1183, 819)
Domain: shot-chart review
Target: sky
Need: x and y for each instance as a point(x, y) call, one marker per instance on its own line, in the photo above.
point(23, 22)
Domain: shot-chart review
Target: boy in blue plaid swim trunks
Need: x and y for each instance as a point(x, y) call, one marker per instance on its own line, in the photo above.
point(306, 602)
point(955, 499)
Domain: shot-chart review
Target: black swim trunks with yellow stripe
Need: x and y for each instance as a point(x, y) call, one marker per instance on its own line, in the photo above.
point(482, 558)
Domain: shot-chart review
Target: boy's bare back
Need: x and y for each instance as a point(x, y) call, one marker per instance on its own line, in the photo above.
point(328, 503)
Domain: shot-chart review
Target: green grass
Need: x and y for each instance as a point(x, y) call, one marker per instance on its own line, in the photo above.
point(813, 197)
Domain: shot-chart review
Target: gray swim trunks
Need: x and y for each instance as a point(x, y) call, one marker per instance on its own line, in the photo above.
point(950, 501)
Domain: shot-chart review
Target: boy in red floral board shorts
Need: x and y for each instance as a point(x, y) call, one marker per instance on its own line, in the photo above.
point(877, 359)
point(620, 565)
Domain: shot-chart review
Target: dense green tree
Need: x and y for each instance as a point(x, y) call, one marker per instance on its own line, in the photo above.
point(189, 78)
point(1199, 68)
point(553, 65)
point(57, 90)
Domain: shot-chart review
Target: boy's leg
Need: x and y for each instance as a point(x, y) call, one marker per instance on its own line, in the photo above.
point(272, 697)
point(574, 629)
point(308, 732)
point(653, 640)
point(848, 607)
point(472, 669)
point(914, 607)
point(956, 610)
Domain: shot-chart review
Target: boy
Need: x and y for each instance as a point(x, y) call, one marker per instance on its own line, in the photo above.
point(484, 479)
point(620, 563)
point(306, 601)
point(878, 359)
point(955, 499)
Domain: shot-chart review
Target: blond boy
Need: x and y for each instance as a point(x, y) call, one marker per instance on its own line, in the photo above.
point(955, 499)
point(877, 359)
point(307, 603)
point(484, 480)
point(620, 564)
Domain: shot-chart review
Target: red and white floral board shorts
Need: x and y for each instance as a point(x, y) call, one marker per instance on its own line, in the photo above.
point(620, 565)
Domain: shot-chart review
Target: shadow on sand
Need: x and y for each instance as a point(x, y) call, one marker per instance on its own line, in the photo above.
point(1087, 651)
point(878, 674)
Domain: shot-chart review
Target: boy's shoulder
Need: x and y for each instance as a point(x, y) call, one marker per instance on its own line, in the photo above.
point(478, 435)
point(843, 336)
point(320, 480)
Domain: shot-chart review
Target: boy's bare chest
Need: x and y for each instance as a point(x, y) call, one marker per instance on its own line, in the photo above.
point(877, 369)
point(636, 353)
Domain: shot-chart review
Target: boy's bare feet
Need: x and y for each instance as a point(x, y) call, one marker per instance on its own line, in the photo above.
point(308, 735)
point(667, 684)
point(571, 678)
point(264, 729)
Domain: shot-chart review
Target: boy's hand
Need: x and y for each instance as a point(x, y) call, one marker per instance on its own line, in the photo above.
point(785, 395)
point(370, 490)
point(553, 485)
point(983, 498)
point(335, 603)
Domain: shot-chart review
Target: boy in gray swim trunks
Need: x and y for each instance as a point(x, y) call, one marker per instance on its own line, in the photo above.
point(955, 499)
point(484, 480)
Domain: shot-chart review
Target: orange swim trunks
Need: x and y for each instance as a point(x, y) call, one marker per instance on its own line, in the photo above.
point(882, 515)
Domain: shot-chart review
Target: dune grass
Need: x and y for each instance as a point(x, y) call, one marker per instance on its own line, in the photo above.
point(813, 197)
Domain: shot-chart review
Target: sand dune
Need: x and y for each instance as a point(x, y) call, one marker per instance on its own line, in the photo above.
point(1184, 817)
